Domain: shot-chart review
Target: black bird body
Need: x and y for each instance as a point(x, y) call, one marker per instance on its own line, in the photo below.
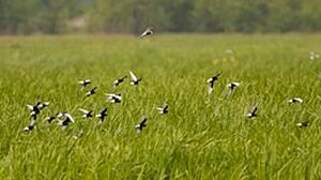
point(253, 112)
point(114, 97)
point(134, 79)
point(91, 92)
point(84, 83)
point(147, 32)
point(211, 82)
point(86, 113)
point(141, 125)
point(102, 115)
point(163, 109)
point(117, 82)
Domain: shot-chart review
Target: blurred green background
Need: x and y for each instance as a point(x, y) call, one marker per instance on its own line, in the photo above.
point(132, 16)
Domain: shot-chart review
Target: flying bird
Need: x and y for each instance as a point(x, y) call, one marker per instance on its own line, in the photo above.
point(65, 119)
point(114, 97)
point(253, 112)
point(30, 127)
point(163, 109)
point(91, 92)
point(232, 87)
point(211, 81)
point(102, 115)
point(117, 82)
point(302, 124)
point(35, 109)
point(147, 32)
point(84, 83)
point(86, 113)
point(295, 100)
point(49, 119)
point(134, 79)
point(141, 125)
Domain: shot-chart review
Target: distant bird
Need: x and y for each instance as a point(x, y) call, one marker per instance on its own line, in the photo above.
point(253, 112)
point(147, 32)
point(134, 79)
point(86, 113)
point(35, 109)
point(65, 119)
point(211, 81)
point(91, 92)
point(49, 119)
point(114, 97)
point(31, 126)
point(163, 109)
point(117, 82)
point(295, 100)
point(102, 115)
point(84, 83)
point(232, 86)
point(302, 124)
point(314, 55)
point(141, 125)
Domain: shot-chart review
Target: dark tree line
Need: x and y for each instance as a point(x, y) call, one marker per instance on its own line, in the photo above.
point(131, 16)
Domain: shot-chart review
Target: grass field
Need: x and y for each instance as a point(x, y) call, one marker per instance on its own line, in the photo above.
point(202, 136)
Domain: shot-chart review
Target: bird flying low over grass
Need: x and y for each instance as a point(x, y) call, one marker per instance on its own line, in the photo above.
point(65, 119)
point(117, 82)
point(102, 115)
point(163, 109)
point(84, 83)
point(232, 87)
point(134, 80)
point(211, 82)
point(141, 125)
point(114, 97)
point(86, 113)
point(295, 100)
point(91, 92)
point(36, 109)
point(49, 119)
point(302, 124)
point(147, 32)
point(253, 112)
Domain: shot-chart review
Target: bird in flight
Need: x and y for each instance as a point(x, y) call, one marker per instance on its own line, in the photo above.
point(147, 32)
point(134, 80)
point(114, 97)
point(211, 82)
point(295, 100)
point(86, 113)
point(163, 109)
point(117, 82)
point(91, 92)
point(102, 115)
point(141, 125)
point(65, 119)
point(84, 83)
point(253, 112)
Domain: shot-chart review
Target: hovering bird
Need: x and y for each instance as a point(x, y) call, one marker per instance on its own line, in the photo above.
point(302, 124)
point(141, 125)
point(91, 92)
point(86, 113)
point(65, 119)
point(147, 32)
point(163, 109)
point(49, 119)
point(232, 86)
point(211, 81)
point(35, 109)
point(84, 83)
point(253, 112)
point(295, 100)
point(134, 79)
point(102, 115)
point(30, 127)
point(114, 97)
point(117, 82)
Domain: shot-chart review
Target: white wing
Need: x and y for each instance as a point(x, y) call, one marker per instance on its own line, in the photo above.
point(133, 76)
point(84, 111)
point(70, 117)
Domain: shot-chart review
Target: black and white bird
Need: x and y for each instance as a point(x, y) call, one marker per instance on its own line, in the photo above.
point(253, 112)
point(134, 80)
point(65, 119)
point(91, 92)
point(114, 97)
point(302, 124)
point(50, 119)
point(117, 82)
point(232, 87)
point(102, 115)
point(295, 100)
point(43, 105)
point(147, 32)
point(141, 125)
point(163, 109)
point(35, 109)
point(211, 82)
point(31, 126)
point(86, 113)
point(84, 83)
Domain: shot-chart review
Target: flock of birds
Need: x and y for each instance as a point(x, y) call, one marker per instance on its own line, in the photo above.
point(64, 119)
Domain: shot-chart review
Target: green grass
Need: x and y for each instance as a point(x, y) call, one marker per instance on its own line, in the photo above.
point(203, 137)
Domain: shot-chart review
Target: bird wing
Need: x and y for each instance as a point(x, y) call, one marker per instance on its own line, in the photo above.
point(84, 111)
point(133, 76)
point(70, 117)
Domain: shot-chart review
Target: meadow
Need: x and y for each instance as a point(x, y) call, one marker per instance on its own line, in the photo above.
point(202, 137)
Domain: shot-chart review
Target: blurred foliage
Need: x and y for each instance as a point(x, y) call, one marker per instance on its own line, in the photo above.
point(132, 16)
